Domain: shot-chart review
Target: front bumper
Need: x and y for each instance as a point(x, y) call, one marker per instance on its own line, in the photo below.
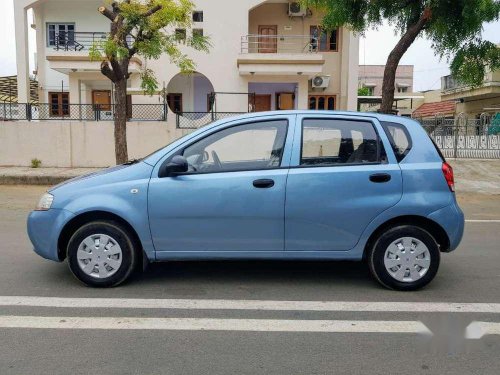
point(44, 228)
point(451, 218)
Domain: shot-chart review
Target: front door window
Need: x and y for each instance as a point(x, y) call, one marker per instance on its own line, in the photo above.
point(252, 146)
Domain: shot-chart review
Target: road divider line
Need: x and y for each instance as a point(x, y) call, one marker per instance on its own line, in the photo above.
point(202, 324)
point(219, 304)
point(482, 221)
point(476, 330)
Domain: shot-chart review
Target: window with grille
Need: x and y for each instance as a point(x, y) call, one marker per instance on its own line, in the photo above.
point(60, 33)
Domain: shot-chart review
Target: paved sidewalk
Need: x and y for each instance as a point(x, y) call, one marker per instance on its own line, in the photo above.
point(477, 176)
point(40, 176)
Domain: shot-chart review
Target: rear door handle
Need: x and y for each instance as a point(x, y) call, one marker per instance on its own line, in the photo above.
point(380, 178)
point(263, 183)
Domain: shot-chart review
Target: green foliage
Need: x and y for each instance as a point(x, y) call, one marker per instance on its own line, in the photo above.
point(363, 91)
point(472, 62)
point(36, 163)
point(147, 29)
point(454, 26)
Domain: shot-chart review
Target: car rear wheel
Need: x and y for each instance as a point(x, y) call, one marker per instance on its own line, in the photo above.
point(101, 254)
point(404, 258)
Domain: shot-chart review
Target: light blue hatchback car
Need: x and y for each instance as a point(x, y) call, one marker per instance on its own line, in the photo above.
point(278, 185)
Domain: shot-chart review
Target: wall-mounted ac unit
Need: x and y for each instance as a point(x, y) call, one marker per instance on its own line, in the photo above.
point(295, 9)
point(320, 82)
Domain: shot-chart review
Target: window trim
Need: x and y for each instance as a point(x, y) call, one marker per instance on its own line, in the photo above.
point(181, 150)
point(380, 145)
point(385, 126)
point(326, 96)
point(328, 35)
point(47, 24)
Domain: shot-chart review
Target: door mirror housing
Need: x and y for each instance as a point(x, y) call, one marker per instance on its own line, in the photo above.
point(177, 165)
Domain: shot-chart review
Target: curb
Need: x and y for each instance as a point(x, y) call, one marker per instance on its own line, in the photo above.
point(33, 180)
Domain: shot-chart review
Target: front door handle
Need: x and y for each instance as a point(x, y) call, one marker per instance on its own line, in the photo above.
point(263, 183)
point(379, 178)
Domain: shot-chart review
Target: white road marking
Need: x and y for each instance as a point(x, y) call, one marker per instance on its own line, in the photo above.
point(216, 304)
point(482, 221)
point(195, 324)
point(476, 330)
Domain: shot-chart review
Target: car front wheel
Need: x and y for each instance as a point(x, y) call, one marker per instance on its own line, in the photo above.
point(101, 254)
point(404, 258)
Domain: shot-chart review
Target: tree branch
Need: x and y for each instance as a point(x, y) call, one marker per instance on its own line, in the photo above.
point(107, 13)
point(152, 11)
point(107, 71)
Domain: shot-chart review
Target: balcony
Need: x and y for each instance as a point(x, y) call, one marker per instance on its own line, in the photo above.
point(280, 55)
point(454, 90)
point(69, 52)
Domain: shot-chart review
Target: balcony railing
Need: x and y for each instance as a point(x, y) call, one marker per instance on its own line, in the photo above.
point(76, 41)
point(279, 44)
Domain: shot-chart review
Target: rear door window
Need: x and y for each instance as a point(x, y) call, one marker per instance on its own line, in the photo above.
point(399, 138)
point(335, 141)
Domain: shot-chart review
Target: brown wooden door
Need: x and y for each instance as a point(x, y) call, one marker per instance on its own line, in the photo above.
point(262, 102)
point(285, 101)
point(59, 104)
point(268, 41)
point(102, 98)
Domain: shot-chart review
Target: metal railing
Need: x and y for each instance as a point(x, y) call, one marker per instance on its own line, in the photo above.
point(80, 112)
point(196, 120)
point(76, 41)
point(466, 138)
point(255, 43)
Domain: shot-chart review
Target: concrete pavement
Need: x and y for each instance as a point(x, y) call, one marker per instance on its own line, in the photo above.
point(249, 317)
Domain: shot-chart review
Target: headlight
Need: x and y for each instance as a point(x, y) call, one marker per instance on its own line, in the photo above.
point(45, 202)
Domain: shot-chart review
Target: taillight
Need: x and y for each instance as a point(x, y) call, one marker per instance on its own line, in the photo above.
point(448, 175)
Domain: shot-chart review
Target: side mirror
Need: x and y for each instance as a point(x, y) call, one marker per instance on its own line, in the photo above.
point(176, 166)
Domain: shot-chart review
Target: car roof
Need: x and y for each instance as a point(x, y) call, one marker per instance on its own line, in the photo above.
point(379, 116)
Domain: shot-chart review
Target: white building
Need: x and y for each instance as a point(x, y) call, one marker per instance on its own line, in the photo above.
point(258, 47)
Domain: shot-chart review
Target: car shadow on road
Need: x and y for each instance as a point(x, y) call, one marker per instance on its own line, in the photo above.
point(259, 272)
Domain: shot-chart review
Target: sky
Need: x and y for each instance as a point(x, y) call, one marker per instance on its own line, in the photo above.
point(373, 49)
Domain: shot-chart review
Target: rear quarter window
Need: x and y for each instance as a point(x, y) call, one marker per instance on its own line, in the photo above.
point(399, 138)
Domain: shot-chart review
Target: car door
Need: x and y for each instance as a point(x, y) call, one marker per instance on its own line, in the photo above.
point(232, 199)
point(340, 179)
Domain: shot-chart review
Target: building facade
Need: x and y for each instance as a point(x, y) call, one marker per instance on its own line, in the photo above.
point(265, 55)
point(372, 77)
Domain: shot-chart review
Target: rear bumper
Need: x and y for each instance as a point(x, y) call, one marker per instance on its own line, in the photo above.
point(44, 228)
point(451, 218)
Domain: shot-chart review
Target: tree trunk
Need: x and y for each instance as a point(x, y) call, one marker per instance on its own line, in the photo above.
point(388, 85)
point(121, 152)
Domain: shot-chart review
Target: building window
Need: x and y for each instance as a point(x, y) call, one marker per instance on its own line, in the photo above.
point(324, 41)
point(175, 102)
point(370, 90)
point(402, 89)
point(59, 104)
point(60, 34)
point(180, 35)
point(198, 16)
point(198, 32)
point(322, 102)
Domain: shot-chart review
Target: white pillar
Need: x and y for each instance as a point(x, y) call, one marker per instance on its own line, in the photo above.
point(349, 71)
point(302, 102)
point(22, 53)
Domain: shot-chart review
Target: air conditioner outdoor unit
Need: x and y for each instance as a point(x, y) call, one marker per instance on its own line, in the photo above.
point(320, 82)
point(295, 9)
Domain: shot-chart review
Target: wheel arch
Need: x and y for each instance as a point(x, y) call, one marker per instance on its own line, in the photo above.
point(87, 217)
point(434, 229)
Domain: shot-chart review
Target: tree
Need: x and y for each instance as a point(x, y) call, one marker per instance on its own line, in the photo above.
point(453, 27)
point(363, 91)
point(140, 28)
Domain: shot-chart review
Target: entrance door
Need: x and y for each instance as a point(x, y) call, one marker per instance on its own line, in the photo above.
point(262, 102)
point(268, 41)
point(102, 98)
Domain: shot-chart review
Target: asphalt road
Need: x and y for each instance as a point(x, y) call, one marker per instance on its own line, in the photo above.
point(163, 323)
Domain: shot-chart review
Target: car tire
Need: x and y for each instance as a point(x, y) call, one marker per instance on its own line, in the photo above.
point(404, 258)
point(102, 254)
